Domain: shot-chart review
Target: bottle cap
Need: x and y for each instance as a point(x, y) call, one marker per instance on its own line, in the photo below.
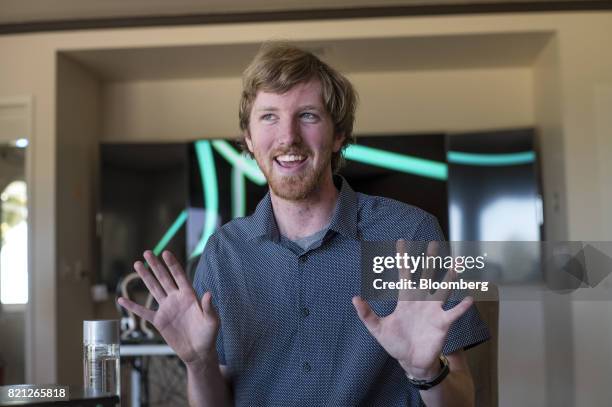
point(101, 331)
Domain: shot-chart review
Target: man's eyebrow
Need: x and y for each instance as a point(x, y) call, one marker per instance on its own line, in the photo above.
point(275, 109)
point(311, 107)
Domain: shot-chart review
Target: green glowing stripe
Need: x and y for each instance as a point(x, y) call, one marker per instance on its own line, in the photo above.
point(180, 220)
point(208, 175)
point(457, 157)
point(238, 193)
point(246, 164)
point(397, 162)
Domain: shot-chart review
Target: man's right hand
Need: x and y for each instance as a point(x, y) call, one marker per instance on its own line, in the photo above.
point(188, 326)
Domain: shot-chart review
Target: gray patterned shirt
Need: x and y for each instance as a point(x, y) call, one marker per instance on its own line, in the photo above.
point(289, 333)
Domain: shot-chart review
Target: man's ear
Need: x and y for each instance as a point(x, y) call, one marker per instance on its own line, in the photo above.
point(247, 139)
point(338, 140)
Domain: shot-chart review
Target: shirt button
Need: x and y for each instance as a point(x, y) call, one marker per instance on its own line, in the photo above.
point(306, 367)
point(305, 312)
point(303, 258)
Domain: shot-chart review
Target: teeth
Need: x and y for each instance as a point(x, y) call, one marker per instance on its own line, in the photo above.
point(290, 158)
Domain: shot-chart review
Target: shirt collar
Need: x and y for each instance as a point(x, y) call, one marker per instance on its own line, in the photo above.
point(344, 219)
point(264, 223)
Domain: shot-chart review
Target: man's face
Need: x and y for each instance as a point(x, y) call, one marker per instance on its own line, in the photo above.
point(292, 138)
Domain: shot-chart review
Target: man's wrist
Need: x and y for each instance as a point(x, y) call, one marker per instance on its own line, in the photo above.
point(204, 364)
point(431, 381)
point(422, 373)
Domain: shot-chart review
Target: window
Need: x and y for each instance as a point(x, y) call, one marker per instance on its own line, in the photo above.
point(14, 244)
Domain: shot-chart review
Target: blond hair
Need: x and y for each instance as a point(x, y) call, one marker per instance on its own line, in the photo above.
point(278, 67)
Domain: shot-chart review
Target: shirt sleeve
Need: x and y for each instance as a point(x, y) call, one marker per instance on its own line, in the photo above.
point(205, 279)
point(469, 330)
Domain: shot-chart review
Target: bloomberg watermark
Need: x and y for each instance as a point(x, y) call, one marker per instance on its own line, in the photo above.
point(411, 270)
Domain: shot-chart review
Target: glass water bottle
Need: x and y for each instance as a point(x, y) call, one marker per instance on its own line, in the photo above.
point(101, 357)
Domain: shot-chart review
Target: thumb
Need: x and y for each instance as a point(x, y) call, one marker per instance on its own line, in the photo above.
point(207, 305)
point(454, 313)
point(366, 315)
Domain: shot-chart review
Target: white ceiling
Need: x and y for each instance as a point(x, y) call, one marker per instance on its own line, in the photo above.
point(24, 11)
point(389, 54)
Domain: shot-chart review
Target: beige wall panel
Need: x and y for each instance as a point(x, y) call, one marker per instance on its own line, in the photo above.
point(391, 102)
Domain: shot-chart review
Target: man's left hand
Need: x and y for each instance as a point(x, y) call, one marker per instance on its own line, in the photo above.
point(415, 332)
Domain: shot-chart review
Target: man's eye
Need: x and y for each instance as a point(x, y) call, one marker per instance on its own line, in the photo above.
point(267, 117)
point(309, 116)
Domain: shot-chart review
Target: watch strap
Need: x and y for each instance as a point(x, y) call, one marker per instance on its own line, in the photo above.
point(424, 384)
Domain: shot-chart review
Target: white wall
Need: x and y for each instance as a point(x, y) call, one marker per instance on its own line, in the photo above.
point(453, 100)
point(390, 102)
point(76, 158)
point(170, 110)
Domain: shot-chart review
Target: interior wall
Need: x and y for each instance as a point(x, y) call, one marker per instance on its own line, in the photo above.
point(77, 138)
point(557, 323)
point(390, 102)
point(586, 69)
point(550, 141)
point(170, 110)
point(587, 80)
point(444, 100)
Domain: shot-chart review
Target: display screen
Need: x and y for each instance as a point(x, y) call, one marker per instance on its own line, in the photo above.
point(175, 195)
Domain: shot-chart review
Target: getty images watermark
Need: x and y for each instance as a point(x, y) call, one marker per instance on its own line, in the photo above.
point(408, 270)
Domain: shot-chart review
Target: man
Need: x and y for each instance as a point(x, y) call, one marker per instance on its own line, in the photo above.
point(290, 328)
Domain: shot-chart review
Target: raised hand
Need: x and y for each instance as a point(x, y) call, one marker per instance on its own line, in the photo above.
point(188, 326)
point(414, 333)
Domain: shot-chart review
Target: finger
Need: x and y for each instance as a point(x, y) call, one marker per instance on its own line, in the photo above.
point(401, 248)
point(143, 322)
point(454, 313)
point(432, 251)
point(427, 270)
point(207, 305)
point(442, 294)
point(176, 270)
point(366, 315)
point(137, 309)
point(162, 275)
point(403, 270)
point(150, 281)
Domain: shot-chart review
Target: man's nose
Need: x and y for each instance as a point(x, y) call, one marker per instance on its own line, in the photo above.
point(289, 132)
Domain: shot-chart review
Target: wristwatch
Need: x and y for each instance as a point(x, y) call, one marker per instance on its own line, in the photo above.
point(423, 384)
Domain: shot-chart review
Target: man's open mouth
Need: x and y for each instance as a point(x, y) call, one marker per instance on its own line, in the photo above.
point(290, 160)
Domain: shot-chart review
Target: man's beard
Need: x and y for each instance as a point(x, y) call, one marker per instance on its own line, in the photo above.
point(300, 186)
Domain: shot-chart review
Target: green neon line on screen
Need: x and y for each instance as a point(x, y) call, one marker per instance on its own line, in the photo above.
point(208, 175)
point(163, 242)
point(396, 161)
point(248, 166)
point(238, 193)
point(457, 157)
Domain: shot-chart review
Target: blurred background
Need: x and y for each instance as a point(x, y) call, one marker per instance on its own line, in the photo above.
point(104, 107)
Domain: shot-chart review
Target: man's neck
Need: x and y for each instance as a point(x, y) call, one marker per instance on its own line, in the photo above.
point(297, 219)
